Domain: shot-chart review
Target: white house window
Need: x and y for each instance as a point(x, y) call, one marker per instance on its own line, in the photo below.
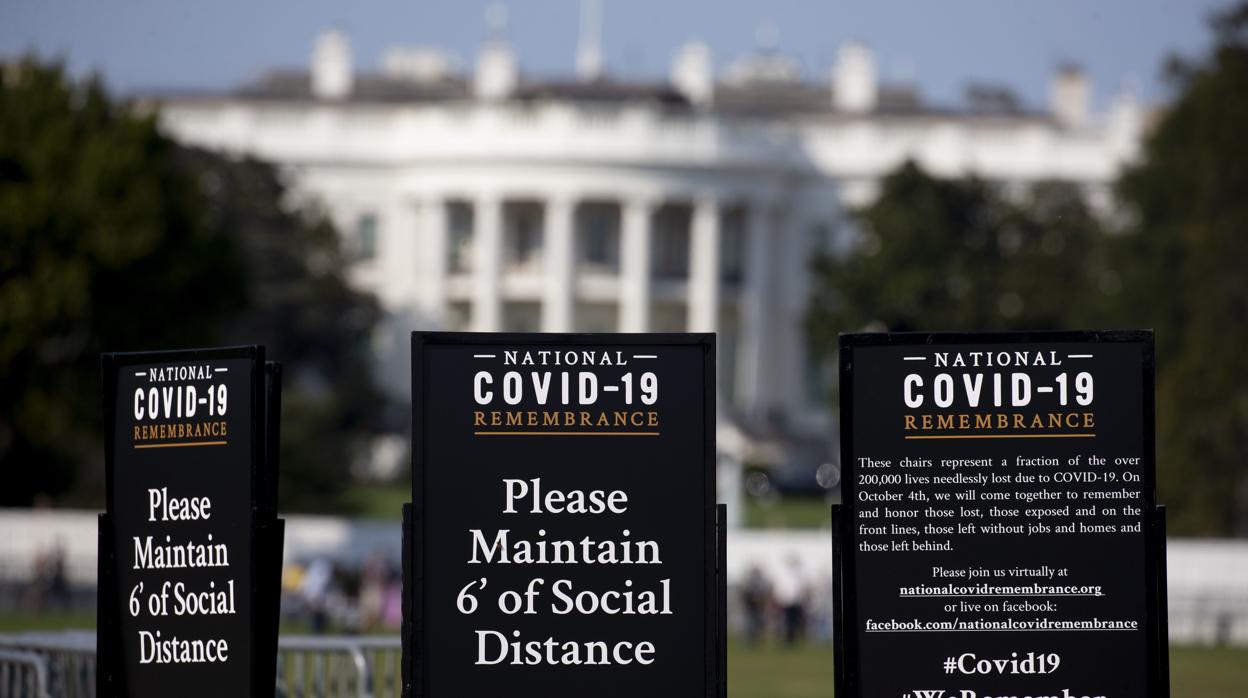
point(732, 245)
point(727, 341)
point(819, 377)
point(597, 317)
point(365, 243)
point(670, 242)
point(522, 236)
point(459, 225)
point(668, 316)
point(522, 316)
point(598, 237)
point(458, 316)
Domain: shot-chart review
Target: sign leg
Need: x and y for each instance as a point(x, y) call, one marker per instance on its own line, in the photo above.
point(407, 628)
point(721, 563)
point(1163, 603)
point(838, 601)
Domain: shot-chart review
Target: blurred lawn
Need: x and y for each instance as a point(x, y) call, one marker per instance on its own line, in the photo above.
point(788, 512)
point(1208, 673)
point(58, 620)
point(805, 671)
point(379, 500)
point(772, 671)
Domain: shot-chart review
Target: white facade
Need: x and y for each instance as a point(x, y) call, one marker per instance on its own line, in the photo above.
point(493, 202)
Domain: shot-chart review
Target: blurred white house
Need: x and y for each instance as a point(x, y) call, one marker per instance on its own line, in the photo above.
point(490, 199)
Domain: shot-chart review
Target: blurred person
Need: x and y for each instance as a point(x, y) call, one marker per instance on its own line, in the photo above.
point(792, 592)
point(756, 597)
point(314, 590)
point(342, 598)
point(392, 602)
point(49, 587)
point(819, 616)
point(292, 578)
point(373, 578)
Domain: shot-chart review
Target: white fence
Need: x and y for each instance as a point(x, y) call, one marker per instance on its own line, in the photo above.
point(339, 666)
point(62, 665)
point(23, 675)
point(1208, 579)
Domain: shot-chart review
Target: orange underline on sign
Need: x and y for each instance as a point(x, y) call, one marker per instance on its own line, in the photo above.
point(1006, 436)
point(182, 443)
point(566, 433)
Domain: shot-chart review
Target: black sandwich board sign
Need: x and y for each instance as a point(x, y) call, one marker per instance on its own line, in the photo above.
point(999, 534)
point(190, 546)
point(562, 539)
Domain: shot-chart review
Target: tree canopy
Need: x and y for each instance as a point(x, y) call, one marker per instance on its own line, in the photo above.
point(115, 238)
point(933, 254)
point(1184, 263)
point(937, 254)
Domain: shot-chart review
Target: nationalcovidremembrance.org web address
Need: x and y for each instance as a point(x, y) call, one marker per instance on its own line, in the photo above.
point(985, 589)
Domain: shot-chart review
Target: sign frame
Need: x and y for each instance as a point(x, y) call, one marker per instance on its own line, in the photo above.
point(846, 619)
point(415, 601)
point(265, 529)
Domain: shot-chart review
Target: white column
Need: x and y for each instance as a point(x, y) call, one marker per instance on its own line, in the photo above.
point(790, 305)
point(487, 310)
point(635, 264)
point(560, 265)
point(432, 259)
point(754, 305)
point(704, 266)
point(397, 230)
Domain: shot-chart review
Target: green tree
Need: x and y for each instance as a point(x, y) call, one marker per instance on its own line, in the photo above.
point(934, 254)
point(301, 308)
point(114, 238)
point(100, 249)
point(1184, 266)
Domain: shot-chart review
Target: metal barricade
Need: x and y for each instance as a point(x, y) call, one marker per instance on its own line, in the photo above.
point(384, 655)
point(22, 675)
point(68, 660)
point(330, 667)
point(62, 665)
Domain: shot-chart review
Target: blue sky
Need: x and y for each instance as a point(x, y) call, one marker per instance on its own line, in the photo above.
point(939, 44)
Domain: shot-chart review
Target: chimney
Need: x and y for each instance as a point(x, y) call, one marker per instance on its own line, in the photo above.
point(692, 73)
point(496, 75)
point(331, 66)
point(589, 46)
point(854, 88)
point(1069, 95)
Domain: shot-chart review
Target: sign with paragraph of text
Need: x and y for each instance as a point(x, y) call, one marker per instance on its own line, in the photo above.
point(999, 534)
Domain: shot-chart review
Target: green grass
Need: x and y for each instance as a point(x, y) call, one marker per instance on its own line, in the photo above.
point(805, 671)
point(773, 671)
point(85, 620)
point(788, 512)
point(379, 500)
point(11, 622)
point(1198, 672)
